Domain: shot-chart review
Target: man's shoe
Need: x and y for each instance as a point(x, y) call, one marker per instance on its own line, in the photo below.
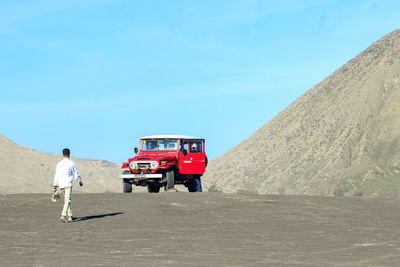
point(63, 219)
point(70, 219)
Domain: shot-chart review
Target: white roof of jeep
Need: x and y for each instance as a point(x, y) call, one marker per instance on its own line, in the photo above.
point(170, 137)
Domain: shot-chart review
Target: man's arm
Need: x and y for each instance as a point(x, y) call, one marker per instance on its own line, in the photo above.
point(77, 176)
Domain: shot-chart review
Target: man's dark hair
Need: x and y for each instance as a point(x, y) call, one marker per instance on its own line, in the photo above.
point(66, 152)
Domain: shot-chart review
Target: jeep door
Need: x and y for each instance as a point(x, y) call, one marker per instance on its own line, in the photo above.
point(193, 161)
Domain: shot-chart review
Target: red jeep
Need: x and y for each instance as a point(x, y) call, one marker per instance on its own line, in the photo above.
point(166, 160)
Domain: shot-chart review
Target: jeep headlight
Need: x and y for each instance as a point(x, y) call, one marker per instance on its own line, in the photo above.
point(132, 165)
point(154, 165)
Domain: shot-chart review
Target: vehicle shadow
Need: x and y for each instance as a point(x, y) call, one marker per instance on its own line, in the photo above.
point(91, 217)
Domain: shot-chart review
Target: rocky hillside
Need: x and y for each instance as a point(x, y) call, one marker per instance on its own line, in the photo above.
point(23, 170)
point(342, 137)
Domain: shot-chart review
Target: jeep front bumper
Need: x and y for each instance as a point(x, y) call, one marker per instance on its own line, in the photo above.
point(141, 176)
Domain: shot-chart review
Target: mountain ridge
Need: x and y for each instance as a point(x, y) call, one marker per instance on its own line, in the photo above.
point(325, 139)
point(24, 170)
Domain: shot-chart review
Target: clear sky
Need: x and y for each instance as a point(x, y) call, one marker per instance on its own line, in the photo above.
point(97, 75)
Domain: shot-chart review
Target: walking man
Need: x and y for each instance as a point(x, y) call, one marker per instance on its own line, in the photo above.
point(65, 171)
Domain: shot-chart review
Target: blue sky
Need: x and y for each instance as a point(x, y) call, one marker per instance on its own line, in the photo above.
point(95, 76)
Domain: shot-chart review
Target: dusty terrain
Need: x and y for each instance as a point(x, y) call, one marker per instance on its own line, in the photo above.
point(200, 229)
point(339, 138)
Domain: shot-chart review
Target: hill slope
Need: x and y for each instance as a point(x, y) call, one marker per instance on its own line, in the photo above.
point(340, 137)
point(23, 170)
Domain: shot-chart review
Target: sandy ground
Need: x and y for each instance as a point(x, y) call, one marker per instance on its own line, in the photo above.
point(200, 229)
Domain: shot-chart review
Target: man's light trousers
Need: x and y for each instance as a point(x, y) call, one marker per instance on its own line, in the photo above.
point(67, 201)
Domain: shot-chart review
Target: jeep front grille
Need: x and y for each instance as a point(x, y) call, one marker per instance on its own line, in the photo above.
point(143, 165)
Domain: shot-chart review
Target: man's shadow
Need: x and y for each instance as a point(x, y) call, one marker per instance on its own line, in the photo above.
point(85, 218)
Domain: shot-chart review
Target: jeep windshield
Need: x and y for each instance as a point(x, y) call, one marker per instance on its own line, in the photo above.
point(159, 144)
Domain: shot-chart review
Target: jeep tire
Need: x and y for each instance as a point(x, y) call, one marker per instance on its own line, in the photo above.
point(127, 186)
point(191, 185)
point(153, 188)
point(170, 180)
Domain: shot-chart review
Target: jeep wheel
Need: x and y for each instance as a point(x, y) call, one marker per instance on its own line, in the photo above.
point(191, 185)
point(153, 188)
point(127, 186)
point(170, 179)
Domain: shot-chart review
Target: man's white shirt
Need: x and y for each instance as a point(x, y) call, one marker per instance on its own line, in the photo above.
point(65, 171)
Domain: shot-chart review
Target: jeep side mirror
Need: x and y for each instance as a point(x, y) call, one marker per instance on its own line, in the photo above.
point(183, 151)
point(136, 150)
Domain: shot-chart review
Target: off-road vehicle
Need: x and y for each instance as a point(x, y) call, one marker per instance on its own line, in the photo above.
point(165, 160)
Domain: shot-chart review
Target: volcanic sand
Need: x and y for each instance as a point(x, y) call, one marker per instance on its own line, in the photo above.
point(200, 229)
